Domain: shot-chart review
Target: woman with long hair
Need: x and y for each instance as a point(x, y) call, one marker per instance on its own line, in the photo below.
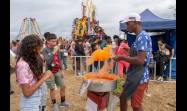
point(165, 54)
point(30, 75)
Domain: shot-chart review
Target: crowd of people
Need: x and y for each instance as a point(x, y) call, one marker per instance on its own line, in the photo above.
point(53, 53)
point(40, 63)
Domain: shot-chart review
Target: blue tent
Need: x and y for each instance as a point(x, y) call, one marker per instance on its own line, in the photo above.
point(151, 22)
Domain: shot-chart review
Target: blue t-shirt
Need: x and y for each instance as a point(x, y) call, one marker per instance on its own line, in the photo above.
point(143, 43)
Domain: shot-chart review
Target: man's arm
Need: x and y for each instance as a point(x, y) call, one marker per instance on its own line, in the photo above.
point(138, 60)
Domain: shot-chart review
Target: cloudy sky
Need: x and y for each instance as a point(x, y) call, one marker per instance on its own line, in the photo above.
point(57, 15)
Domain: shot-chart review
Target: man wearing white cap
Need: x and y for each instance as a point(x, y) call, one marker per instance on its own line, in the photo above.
point(137, 74)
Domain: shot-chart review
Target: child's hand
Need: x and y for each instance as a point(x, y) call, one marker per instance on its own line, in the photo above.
point(62, 74)
point(56, 48)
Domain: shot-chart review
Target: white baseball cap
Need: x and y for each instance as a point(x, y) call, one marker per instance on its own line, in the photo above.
point(132, 17)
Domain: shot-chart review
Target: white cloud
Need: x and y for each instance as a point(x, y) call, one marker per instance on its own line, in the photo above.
point(57, 15)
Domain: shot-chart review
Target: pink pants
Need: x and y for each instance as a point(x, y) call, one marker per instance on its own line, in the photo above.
point(121, 65)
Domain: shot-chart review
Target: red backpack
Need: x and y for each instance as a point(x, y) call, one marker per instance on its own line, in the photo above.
point(55, 64)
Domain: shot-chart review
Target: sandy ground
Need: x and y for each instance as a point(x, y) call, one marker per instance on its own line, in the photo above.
point(159, 97)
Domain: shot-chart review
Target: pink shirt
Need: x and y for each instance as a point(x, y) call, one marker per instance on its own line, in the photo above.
point(119, 50)
point(116, 50)
point(24, 73)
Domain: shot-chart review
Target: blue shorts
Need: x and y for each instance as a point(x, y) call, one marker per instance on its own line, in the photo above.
point(33, 102)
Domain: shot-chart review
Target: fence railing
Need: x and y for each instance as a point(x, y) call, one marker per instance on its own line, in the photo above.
point(170, 69)
point(80, 67)
point(78, 63)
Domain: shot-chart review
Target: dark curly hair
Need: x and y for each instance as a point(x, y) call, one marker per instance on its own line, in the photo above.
point(28, 53)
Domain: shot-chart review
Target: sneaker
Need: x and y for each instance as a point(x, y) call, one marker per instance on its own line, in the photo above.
point(64, 104)
point(55, 107)
point(79, 73)
point(160, 78)
point(42, 108)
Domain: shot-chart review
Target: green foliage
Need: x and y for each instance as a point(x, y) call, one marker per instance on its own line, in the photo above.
point(119, 87)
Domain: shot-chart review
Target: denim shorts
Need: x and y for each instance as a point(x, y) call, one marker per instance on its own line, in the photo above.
point(33, 102)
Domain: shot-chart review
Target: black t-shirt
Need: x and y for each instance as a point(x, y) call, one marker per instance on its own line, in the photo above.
point(79, 49)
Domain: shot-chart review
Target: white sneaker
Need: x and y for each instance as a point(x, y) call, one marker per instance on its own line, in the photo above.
point(64, 104)
point(55, 107)
point(79, 74)
point(160, 78)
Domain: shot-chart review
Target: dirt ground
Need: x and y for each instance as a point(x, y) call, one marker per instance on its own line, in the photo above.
point(159, 97)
